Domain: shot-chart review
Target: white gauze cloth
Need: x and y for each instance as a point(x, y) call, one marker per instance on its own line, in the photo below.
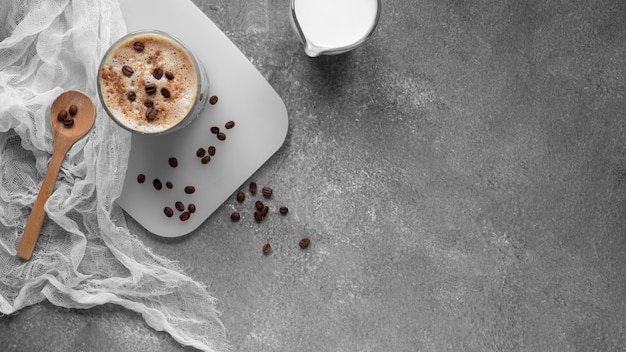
point(86, 255)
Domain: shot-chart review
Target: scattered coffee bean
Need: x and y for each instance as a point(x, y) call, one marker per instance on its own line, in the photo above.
point(169, 75)
point(168, 212)
point(258, 205)
point(165, 92)
point(283, 210)
point(190, 189)
point(235, 216)
point(185, 216)
point(127, 70)
point(267, 248)
point(206, 159)
point(68, 122)
point(151, 113)
point(169, 185)
point(138, 46)
point(179, 206)
point(211, 150)
point(213, 100)
point(264, 210)
point(267, 192)
point(221, 136)
point(73, 110)
point(241, 196)
point(215, 130)
point(148, 103)
point(141, 178)
point(172, 161)
point(304, 243)
point(200, 152)
point(131, 96)
point(62, 115)
point(229, 124)
point(257, 216)
point(201, 98)
point(252, 187)
point(157, 73)
point(157, 184)
point(191, 208)
point(151, 89)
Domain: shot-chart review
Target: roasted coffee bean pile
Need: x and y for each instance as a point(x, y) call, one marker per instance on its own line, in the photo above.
point(219, 133)
point(261, 210)
point(185, 210)
point(67, 116)
point(204, 154)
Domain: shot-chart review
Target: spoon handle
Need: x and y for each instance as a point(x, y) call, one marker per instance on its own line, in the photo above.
point(38, 214)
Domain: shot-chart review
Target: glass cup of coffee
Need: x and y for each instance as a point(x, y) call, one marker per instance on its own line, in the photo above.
point(150, 83)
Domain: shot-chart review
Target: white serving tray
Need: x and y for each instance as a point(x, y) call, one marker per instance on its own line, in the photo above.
point(244, 97)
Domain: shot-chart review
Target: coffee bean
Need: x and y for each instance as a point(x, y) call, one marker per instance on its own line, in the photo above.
point(215, 130)
point(173, 162)
point(257, 216)
point(235, 216)
point(211, 150)
point(127, 70)
point(190, 189)
point(258, 205)
point(169, 185)
point(151, 113)
point(283, 210)
point(68, 122)
point(267, 192)
point(185, 216)
point(304, 243)
point(151, 89)
point(229, 124)
point(179, 206)
point(62, 115)
point(148, 103)
point(252, 187)
point(131, 96)
point(241, 196)
point(165, 92)
point(267, 248)
point(206, 159)
point(141, 178)
point(221, 136)
point(200, 152)
point(191, 208)
point(168, 212)
point(201, 98)
point(213, 100)
point(264, 210)
point(138, 46)
point(73, 110)
point(157, 184)
point(169, 75)
point(157, 73)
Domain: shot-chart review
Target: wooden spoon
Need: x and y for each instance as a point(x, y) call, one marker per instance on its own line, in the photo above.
point(65, 135)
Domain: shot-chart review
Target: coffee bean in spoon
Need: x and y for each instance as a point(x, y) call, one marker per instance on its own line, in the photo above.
point(62, 115)
point(68, 122)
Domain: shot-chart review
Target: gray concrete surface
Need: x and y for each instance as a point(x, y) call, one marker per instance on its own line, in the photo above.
point(462, 177)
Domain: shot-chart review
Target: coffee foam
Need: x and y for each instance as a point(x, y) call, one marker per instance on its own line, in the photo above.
point(159, 52)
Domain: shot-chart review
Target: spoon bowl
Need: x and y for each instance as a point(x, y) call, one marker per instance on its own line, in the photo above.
point(83, 119)
point(65, 134)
